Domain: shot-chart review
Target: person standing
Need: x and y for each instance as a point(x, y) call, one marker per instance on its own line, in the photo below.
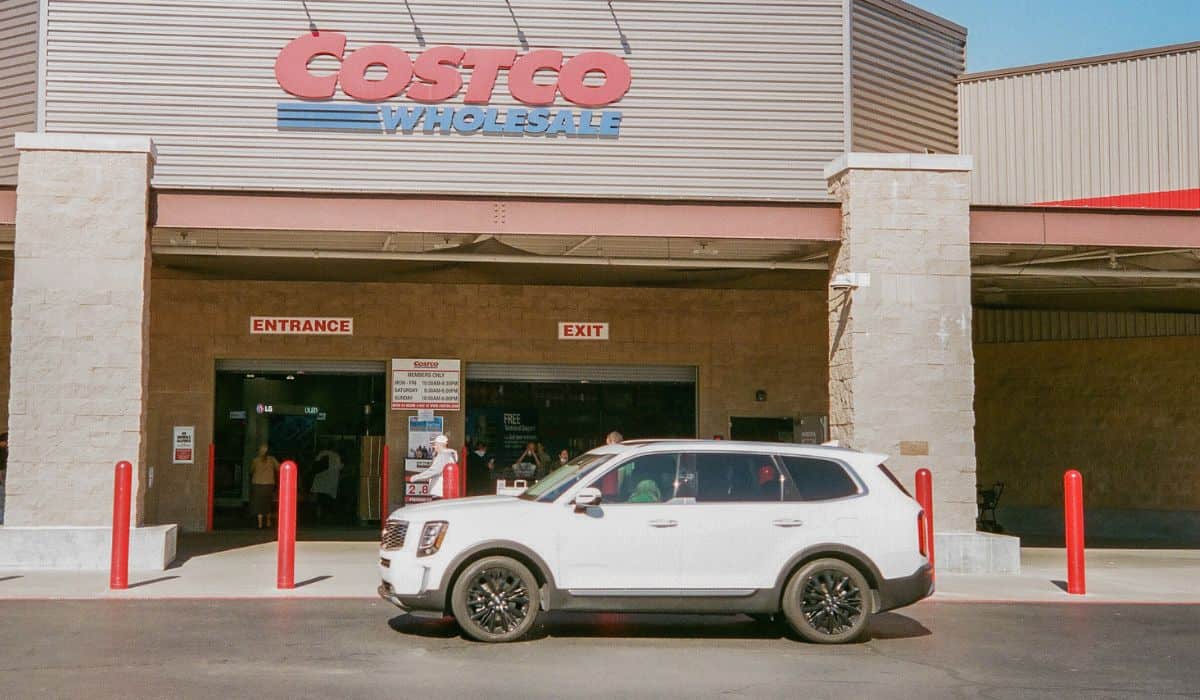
point(614, 438)
point(325, 483)
point(443, 456)
point(563, 457)
point(479, 471)
point(264, 470)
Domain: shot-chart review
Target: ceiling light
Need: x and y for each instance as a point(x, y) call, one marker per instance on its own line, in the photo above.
point(291, 377)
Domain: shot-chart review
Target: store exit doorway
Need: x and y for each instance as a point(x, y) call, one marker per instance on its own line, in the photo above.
point(327, 418)
point(573, 407)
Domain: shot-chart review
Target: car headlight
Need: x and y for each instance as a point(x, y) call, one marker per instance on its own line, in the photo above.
point(431, 537)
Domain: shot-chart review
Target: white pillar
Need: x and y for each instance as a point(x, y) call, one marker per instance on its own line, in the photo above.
point(902, 369)
point(81, 282)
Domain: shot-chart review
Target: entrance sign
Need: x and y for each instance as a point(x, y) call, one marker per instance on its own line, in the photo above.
point(432, 384)
point(574, 330)
point(183, 441)
point(300, 325)
point(591, 79)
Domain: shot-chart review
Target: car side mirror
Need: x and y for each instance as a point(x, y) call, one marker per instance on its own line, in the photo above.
point(587, 498)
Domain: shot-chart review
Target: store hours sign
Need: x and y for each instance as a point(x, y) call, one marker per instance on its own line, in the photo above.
point(426, 384)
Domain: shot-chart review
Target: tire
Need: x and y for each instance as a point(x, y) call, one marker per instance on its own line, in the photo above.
point(828, 602)
point(495, 599)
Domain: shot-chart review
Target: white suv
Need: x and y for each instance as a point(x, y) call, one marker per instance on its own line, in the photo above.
point(823, 535)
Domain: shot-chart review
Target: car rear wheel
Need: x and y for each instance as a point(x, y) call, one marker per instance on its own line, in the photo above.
point(496, 599)
point(828, 602)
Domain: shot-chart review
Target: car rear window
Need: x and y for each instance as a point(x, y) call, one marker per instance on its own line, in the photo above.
point(818, 479)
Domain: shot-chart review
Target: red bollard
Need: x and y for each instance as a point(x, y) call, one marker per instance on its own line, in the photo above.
point(385, 485)
point(285, 569)
point(462, 474)
point(1073, 502)
point(118, 573)
point(925, 524)
point(450, 481)
point(212, 478)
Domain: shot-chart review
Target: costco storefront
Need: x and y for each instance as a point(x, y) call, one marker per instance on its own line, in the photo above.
point(241, 223)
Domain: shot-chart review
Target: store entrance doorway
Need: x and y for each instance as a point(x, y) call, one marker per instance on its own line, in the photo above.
point(572, 407)
point(329, 418)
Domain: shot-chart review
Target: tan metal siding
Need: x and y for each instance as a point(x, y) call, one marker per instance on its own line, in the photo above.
point(1123, 127)
point(903, 70)
point(18, 78)
point(740, 99)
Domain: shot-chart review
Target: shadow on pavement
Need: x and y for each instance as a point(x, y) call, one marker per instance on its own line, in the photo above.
point(314, 579)
point(160, 579)
point(615, 625)
point(8, 578)
point(197, 544)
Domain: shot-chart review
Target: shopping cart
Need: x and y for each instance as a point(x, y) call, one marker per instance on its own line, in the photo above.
point(987, 498)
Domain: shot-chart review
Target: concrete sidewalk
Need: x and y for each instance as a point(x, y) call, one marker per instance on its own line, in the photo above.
point(242, 565)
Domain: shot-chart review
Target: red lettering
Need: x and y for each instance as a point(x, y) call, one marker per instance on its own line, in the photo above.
point(294, 325)
point(599, 328)
point(344, 326)
point(617, 79)
point(354, 73)
point(437, 68)
point(320, 326)
point(272, 325)
point(581, 330)
point(256, 325)
point(487, 64)
point(291, 66)
point(523, 71)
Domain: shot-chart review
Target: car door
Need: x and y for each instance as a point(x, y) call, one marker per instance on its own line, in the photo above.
point(733, 528)
point(631, 543)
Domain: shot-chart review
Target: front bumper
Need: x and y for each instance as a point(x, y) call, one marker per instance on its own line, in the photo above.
point(411, 584)
point(906, 590)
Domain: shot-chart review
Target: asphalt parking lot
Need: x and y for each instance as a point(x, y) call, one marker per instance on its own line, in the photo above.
point(362, 648)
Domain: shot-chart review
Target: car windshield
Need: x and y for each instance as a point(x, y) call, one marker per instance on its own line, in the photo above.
point(564, 477)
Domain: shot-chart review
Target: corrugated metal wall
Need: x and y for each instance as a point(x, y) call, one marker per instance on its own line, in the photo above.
point(735, 99)
point(1123, 127)
point(1032, 325)
point(18, 78)
point(903, 68)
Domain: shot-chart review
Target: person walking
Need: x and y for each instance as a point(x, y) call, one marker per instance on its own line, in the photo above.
point(443, 456)
point(264, 470)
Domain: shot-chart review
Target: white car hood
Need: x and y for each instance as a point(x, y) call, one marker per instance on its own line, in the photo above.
point(447, 508)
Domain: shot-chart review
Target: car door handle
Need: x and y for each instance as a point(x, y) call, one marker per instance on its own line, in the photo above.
point(663, 523)
point(787, 522)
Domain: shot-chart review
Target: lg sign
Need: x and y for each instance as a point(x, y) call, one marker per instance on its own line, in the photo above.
point(592, 79)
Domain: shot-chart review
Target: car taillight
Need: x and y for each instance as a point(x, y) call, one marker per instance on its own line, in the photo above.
point(924, 546)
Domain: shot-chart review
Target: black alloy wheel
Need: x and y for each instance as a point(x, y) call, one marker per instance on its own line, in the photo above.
point(828, 601)
point(495, 599)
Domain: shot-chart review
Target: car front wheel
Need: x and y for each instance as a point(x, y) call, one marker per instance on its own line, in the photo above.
point(496, 599)
point(828, 602)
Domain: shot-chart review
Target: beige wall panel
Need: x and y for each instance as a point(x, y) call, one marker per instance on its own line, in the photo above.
point(732, 336)
point(737, 99)
point(18, 79)
point(1124, 127)
point(1123, 412)
point(903, 68)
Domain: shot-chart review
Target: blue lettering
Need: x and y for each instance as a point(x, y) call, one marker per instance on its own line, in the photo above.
point(515, 122)
point(538, 121)
point(462, 125)
point(441, 118)
point(585, 124)
point(564, 123)
point(489, 122)
point(404, 118)
point(610, 124)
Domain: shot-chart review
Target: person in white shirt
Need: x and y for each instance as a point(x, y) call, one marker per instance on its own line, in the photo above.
point(442, 456)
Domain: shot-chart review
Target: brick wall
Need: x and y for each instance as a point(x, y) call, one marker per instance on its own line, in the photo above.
point(1126, 413)
point(740, 340)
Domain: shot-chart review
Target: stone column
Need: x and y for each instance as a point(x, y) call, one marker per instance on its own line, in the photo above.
point(902, 370)
point(81, 284)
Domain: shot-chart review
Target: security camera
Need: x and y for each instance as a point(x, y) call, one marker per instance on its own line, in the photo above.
point(850, 280)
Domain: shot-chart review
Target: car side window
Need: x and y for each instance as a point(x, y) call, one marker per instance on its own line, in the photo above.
point(644, 479)
point(818, 479)
point(723, 477)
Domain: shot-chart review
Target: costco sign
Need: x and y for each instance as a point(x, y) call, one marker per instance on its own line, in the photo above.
point(373, 74)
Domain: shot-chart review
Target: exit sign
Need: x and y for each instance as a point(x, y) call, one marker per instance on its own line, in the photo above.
point(574, 330)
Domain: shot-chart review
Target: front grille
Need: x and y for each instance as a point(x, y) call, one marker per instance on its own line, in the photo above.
point(393, 534)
